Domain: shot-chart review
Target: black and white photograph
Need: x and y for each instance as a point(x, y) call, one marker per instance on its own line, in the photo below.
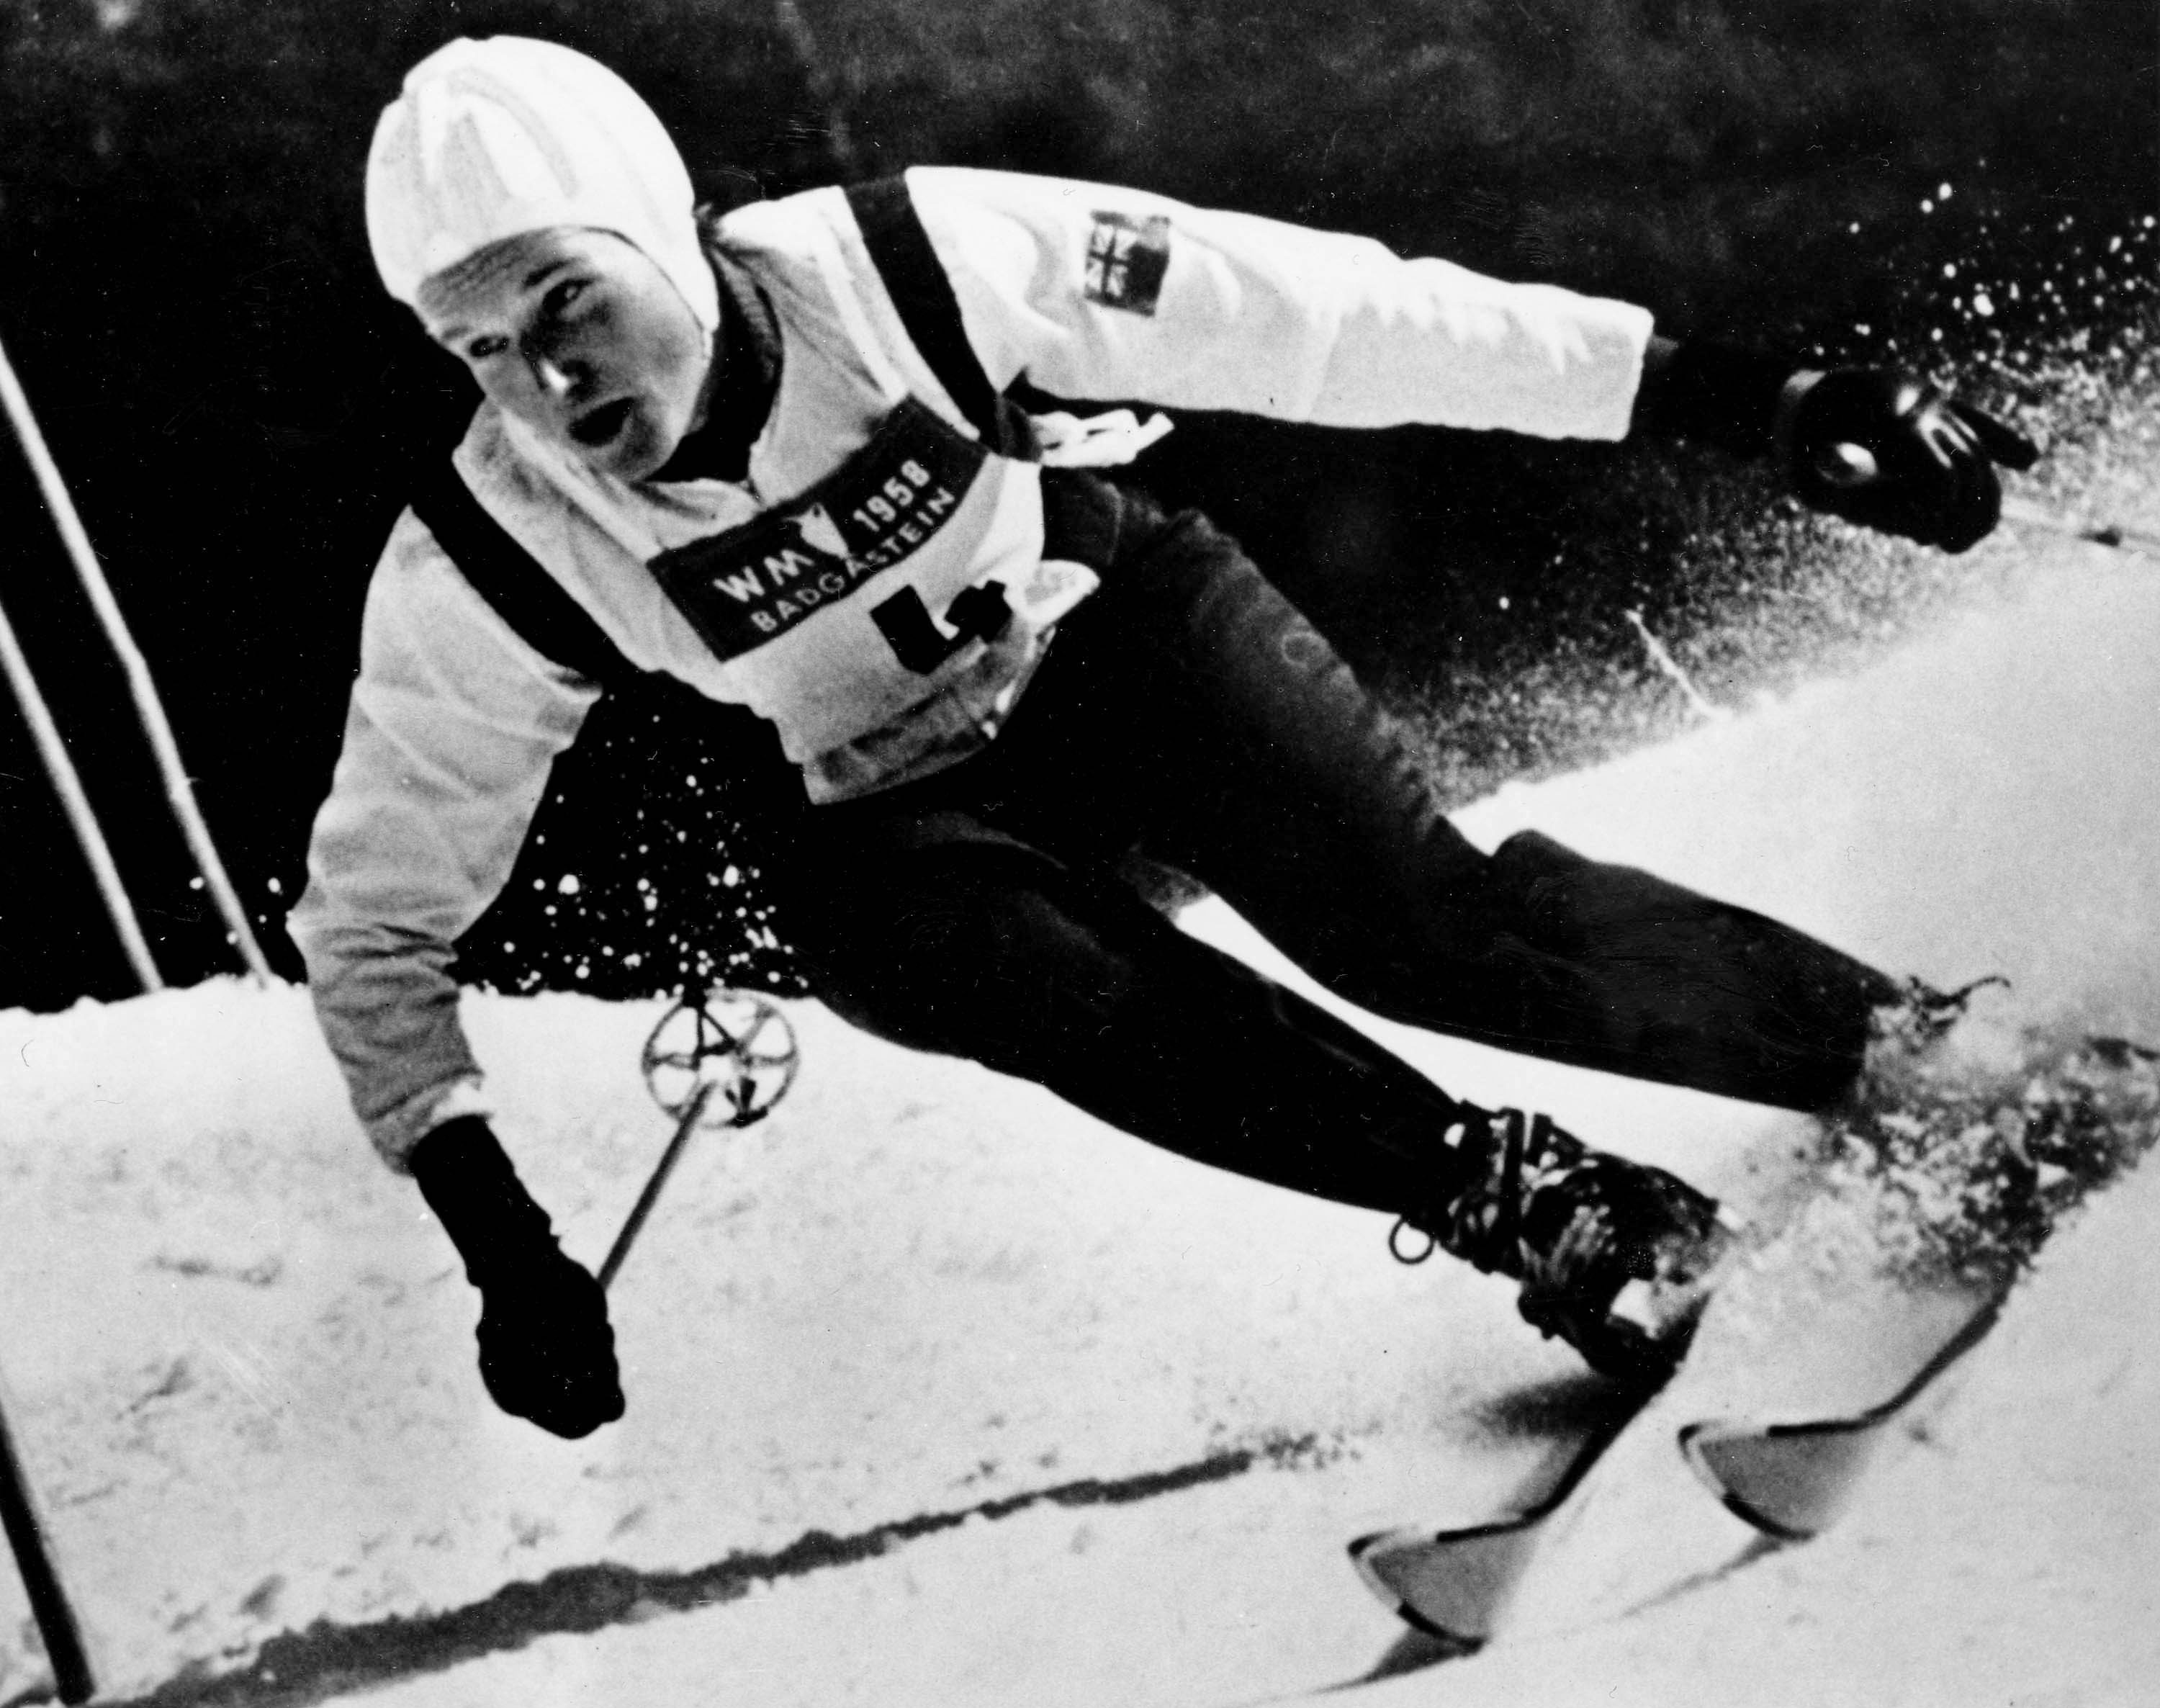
point(928, 854)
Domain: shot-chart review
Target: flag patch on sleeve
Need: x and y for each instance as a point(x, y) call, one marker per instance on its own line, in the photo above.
point(1126, 259)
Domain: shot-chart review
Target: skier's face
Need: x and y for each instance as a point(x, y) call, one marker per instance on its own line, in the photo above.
point(579, 335)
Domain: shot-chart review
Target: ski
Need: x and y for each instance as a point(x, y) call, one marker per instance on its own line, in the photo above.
point(1793, 1480)
point(1787, 1480)
point(1456, 1584)
point(1943, 1183)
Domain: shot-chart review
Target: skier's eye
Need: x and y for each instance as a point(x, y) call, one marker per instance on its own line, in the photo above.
point(561, 295)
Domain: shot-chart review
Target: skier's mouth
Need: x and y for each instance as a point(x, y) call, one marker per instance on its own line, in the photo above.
point(597, 427)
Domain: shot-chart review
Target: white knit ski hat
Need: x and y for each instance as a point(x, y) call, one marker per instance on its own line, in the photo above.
point(494, 139)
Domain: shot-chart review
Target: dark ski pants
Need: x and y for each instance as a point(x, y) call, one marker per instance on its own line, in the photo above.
point(1187, 712)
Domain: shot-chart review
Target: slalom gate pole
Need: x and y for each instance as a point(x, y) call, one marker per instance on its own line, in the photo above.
point(179, 793)
point(68, 785)
point(41, 1580)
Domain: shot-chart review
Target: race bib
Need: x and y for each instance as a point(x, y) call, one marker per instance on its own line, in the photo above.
point(750, 586)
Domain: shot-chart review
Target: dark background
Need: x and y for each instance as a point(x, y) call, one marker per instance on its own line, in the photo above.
point(187, 295)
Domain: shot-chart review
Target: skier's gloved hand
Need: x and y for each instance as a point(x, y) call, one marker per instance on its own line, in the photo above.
point(1891, 452)
point(546, 1351)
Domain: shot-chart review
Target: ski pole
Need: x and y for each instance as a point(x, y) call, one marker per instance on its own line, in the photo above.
point(2027, 514)
point(68, 785)
point(1669, 667)
point(41, 1579)
point(179, 793)
point(691, 1114)
point(1850, 465)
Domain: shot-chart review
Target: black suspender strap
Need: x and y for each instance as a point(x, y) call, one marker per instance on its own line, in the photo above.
point(503, 573)
point(915, 279)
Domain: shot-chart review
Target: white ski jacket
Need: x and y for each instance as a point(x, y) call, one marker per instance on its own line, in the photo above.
point(822, 591)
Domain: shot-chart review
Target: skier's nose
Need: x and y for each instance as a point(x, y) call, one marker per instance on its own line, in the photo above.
point(549, 377)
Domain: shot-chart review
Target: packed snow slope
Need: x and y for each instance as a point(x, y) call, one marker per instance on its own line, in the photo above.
point(942, 1393)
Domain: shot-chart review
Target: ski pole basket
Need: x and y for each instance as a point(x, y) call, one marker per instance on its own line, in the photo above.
point(718, 1058)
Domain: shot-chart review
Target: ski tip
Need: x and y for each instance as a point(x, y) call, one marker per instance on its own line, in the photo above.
point(1376, 1579)
point(1452, 1585)
point(1791, 1484)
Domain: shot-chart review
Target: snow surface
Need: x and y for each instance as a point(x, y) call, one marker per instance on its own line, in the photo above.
point(940, 1392)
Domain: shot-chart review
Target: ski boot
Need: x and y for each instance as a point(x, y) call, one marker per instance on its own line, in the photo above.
point(1612, 1255)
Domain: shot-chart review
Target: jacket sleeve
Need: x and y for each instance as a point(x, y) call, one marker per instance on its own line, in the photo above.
point(1102, 294)
point(453, 725)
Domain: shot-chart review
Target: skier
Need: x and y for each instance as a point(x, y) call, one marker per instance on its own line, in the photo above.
point(776, 456)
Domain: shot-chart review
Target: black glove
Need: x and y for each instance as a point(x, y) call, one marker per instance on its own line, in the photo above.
point(1891, 452)
point(546, 1351)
